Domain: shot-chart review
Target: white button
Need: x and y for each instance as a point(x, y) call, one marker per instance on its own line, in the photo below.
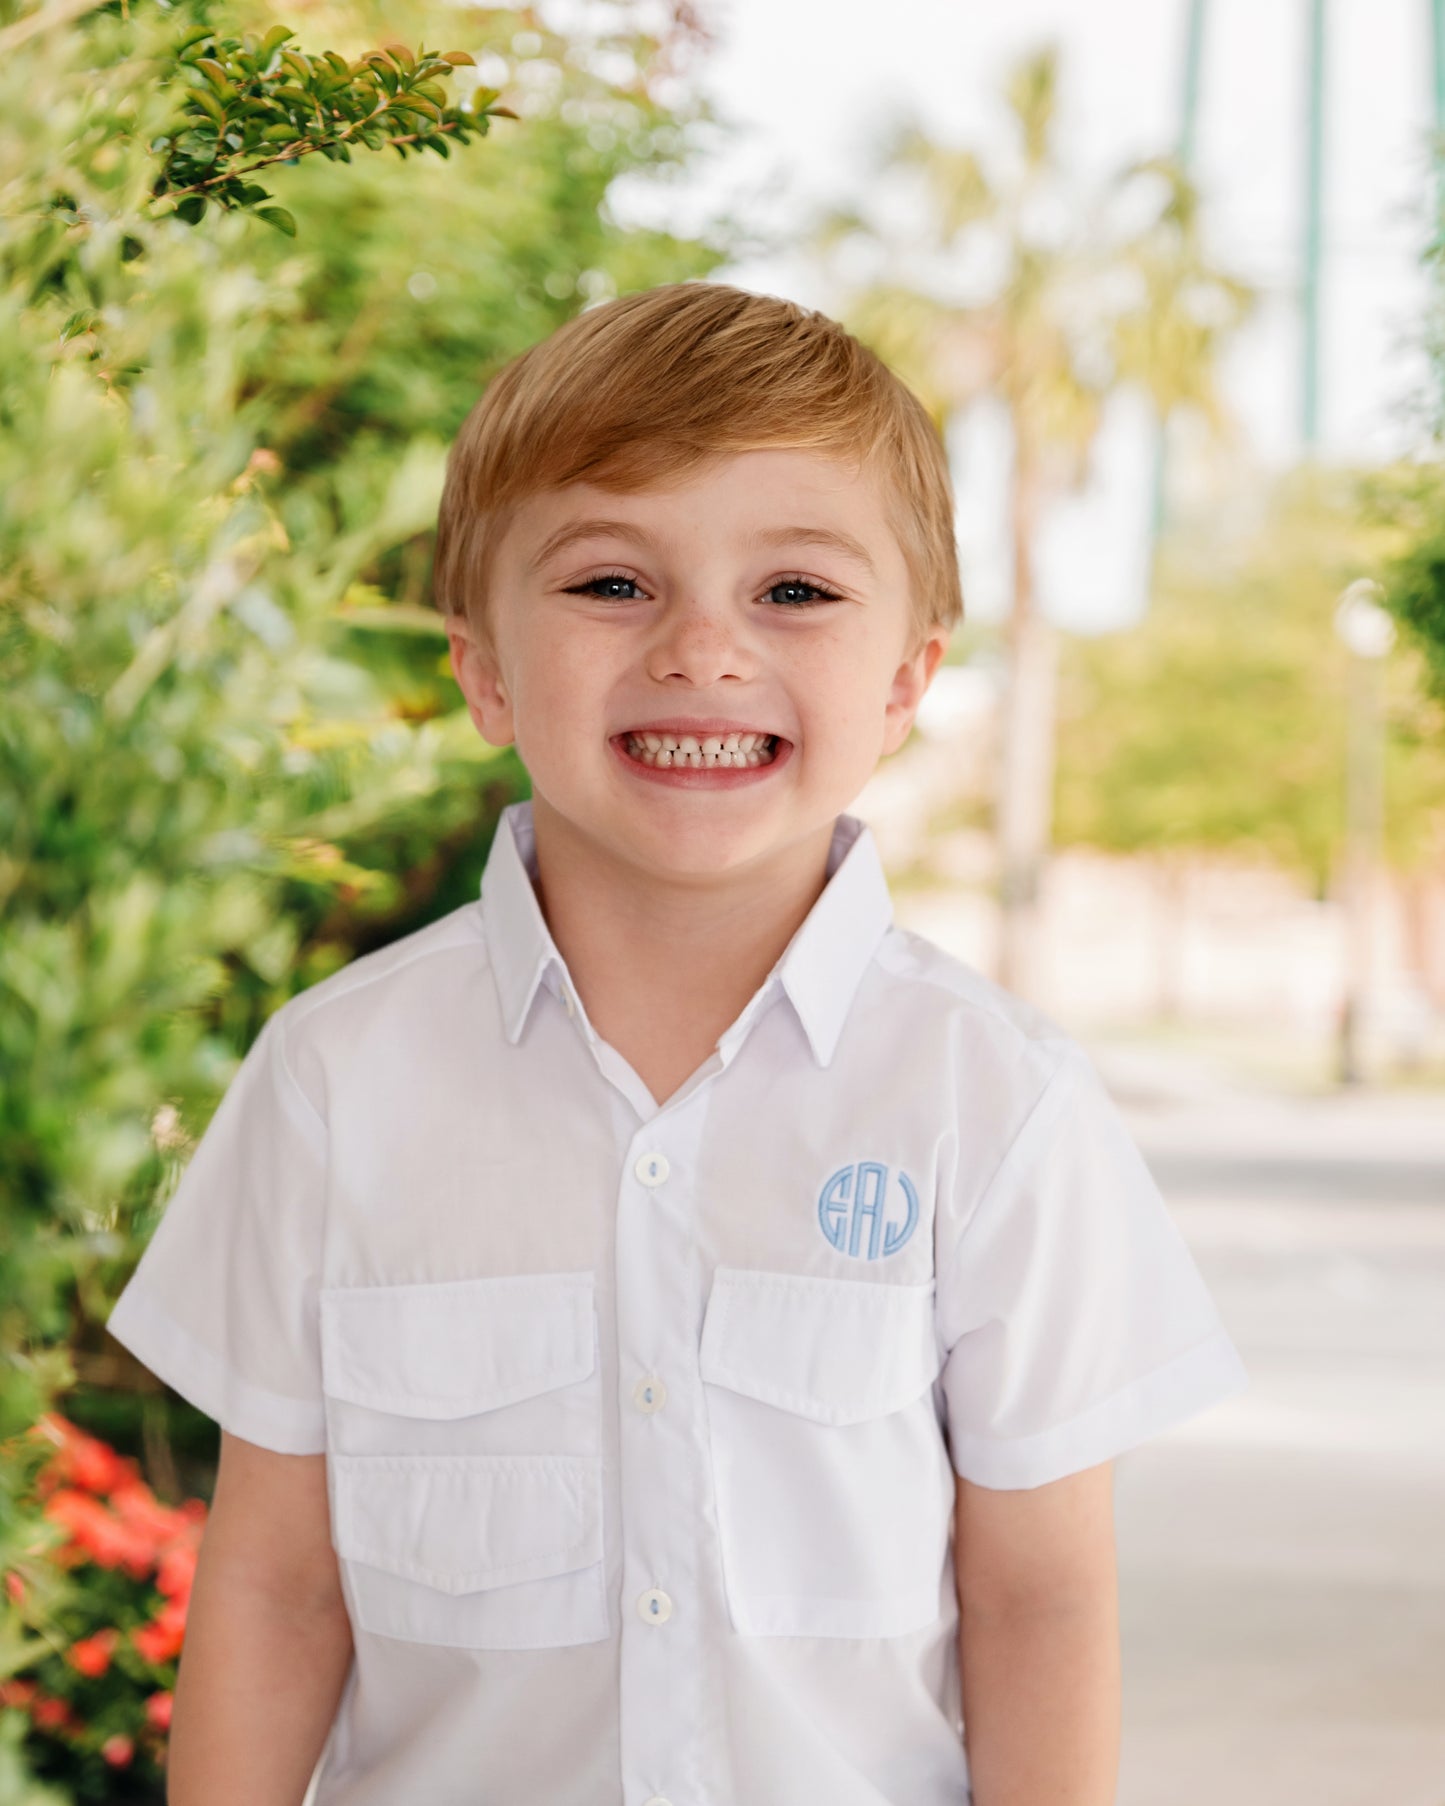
point(654, 1606)
point(652, 1168)
point(649, 1394)
point(657, 1800)
point(567, 1000)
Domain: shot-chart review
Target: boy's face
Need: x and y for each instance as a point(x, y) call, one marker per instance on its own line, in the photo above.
point(766, 593)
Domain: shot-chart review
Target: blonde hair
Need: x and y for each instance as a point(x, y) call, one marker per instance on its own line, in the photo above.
point(642, 390)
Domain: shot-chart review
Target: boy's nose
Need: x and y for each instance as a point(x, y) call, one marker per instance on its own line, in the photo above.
point(700, 641)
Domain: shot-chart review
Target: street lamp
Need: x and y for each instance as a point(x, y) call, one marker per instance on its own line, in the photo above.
point(1368, 632)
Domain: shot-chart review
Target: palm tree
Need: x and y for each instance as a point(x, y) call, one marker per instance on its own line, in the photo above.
point(1065, 304)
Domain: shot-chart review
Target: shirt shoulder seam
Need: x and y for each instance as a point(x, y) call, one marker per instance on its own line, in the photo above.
point(1049, 1036)
point(347, 980)
point(1054, 1087)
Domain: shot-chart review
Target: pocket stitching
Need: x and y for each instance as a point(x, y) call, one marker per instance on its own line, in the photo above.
point(478, 1577)
point(583, 1468)
point(573, 1293)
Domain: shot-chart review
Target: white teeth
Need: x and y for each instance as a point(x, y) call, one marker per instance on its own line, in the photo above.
point(701, 752)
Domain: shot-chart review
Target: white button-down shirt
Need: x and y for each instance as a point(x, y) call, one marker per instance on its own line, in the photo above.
point(641, 1422)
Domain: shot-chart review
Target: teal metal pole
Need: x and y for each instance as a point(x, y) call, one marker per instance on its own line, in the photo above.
point(1194, 57)
point(1184, 155)
point(1314, 200)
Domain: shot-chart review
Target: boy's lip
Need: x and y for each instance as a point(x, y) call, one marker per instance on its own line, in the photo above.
point(712, 724)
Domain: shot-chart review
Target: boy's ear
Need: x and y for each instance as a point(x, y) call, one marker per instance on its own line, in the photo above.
point(475, 667)
point(910, 681)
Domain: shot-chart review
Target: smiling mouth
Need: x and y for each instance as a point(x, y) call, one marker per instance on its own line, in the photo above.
point(702, 752)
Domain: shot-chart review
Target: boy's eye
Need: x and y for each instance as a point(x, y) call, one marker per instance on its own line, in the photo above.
point(787, 592)
point(608, 587)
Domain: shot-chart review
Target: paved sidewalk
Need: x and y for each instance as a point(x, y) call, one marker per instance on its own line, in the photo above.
point(1283, 1556)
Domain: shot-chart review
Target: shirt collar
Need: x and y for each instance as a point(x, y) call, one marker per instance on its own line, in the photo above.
point(820, 969)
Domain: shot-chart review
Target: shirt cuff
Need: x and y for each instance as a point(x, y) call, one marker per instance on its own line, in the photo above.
point(290, 1426)
point(1202, 1376)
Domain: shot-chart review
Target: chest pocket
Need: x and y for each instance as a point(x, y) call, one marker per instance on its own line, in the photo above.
point(463, 1464)
point(834, 1489)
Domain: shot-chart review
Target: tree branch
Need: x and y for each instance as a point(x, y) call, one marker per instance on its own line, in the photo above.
point(301, 148)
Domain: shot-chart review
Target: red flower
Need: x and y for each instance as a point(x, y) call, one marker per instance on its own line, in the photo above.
point(158, 1710)
point(91, 1656)
point(117, 1750)
point(99, 1534)
point(177, 1571)
point(141, 1511)
point(51, 1713)
point(161, 1639)
point(17, 1693)
point(82, 1460)
point(14, 1586)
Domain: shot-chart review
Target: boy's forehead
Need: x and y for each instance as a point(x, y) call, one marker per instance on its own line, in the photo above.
point(766, 497)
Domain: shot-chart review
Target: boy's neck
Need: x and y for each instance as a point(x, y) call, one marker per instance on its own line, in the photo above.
point(664, 969)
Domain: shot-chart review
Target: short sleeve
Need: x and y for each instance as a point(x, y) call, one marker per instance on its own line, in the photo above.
point(1074, 1321)
point(223, 1303)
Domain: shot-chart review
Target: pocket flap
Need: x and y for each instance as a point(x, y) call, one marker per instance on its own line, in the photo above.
point(458, 1346)
point(835, 1350)
point(479, 1520)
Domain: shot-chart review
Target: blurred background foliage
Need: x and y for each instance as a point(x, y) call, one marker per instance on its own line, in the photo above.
point(232, 756)
point(1218, 723)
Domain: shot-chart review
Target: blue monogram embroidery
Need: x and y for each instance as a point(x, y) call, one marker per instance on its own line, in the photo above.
point(858, 1194)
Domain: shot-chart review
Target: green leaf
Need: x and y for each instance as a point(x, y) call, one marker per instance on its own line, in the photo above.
point(208, 104)
point(279, 218)
point(278, 34)
point(215, 75)
point(459, 59)
point(192, 208)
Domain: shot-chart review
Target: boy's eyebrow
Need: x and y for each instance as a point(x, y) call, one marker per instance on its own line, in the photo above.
point(830, 538)
point(585, 529)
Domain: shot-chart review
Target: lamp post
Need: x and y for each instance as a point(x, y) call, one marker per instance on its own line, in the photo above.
point(1368, 632)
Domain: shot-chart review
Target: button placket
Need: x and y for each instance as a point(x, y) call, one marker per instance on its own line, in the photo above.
point(663, 1485)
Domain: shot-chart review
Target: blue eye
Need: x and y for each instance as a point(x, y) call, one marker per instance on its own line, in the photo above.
point(795, 600)
point(605, 587)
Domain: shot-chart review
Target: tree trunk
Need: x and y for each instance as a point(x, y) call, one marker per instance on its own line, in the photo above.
point(1172, 900)
point(1024, 802)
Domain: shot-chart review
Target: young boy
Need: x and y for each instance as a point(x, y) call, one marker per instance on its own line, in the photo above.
point(669, 1326)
